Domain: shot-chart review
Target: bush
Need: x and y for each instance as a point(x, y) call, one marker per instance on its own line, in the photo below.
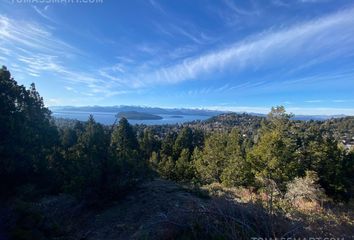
point(304, 190)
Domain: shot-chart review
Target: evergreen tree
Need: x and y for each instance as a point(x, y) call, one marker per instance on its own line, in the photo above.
point(168, 143)
point(27, 134)
point(154, 160)
point(331, 164)
point(184, 167)
point(212, 162)
point(124, 143)
point(166, 167)
point(273, 157)
point(148, 143)
point(127, 167)
point(237, 170)
point(184, 141)
point(88, 161)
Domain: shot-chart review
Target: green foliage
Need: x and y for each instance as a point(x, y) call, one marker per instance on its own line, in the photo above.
point(127, 165)
point(85, 159)
point(184, 141)
point(176, 160)
point(148, 143)
point(237, 171)
point(166, 168)
point(332, 164)
point(124, 144)
point(154, 160)
point(89, 159)
point(27, 134)
point(273, 157)
point(184, 166)
point(212, 161)
point(223, 160)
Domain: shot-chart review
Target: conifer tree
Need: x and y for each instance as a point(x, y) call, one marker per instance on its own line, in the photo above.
point(27, 134)
point(89, 158)
point(273, 157)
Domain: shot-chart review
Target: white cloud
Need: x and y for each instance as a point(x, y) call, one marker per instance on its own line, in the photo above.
point(240, 11)
point(307, 39)
point(157, 6)
point(42, 12)
point(29, 35)
point(200, 38)
point(314, 101)
point(342, 100)
point(37, 52)
point(54, 102)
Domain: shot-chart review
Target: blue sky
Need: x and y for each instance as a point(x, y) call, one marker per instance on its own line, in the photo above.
point(225, 54)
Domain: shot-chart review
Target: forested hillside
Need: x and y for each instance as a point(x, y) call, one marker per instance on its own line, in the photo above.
point(281, 161)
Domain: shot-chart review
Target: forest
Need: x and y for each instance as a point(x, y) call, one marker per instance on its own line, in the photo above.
point(99, 164)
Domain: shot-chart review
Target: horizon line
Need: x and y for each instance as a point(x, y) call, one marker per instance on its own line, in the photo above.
point(237, 109)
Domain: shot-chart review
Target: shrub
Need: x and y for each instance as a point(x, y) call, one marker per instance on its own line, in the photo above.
point(304, 190)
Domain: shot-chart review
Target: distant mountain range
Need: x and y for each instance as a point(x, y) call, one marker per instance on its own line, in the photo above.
point(172, 111)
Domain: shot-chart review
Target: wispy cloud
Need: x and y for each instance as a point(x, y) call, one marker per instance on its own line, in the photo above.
point(182, 52)
point(310, 38)
point(184, 29)
point(32, 36)
point(157, 6)
point(238, 13)
point(43, 12)
point(200, 38)
point(239, 10)
point(314, 101)
point(280, 3)
point(342, 100)
point(38, 52)
point(35, 51)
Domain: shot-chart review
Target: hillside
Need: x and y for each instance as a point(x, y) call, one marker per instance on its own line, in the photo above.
point(161, 209)
point(245, 122)
point(251, 176)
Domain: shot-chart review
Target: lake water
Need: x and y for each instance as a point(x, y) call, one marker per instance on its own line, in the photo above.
point(109, 118)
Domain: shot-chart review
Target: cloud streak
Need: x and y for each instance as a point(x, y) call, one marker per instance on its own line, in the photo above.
point(34, 50)
point(32, 36)
point(304, 40)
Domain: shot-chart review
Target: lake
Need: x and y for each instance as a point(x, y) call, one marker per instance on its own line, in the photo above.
point(109, 117)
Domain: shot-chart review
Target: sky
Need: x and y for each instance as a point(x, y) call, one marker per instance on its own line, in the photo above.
point(213, 54)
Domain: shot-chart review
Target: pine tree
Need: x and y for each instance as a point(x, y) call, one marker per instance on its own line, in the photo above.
point(212, 161)
point(148, 143)
point(126, 158)
point(184, 167)
point(184, 141)
point(237, 170)
point(124, 143)
point(88, 161)
point(27, 134)
point(273, 157)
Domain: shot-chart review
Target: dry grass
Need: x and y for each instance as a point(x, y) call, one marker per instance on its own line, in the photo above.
point(318, 219)
point(165, 210)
